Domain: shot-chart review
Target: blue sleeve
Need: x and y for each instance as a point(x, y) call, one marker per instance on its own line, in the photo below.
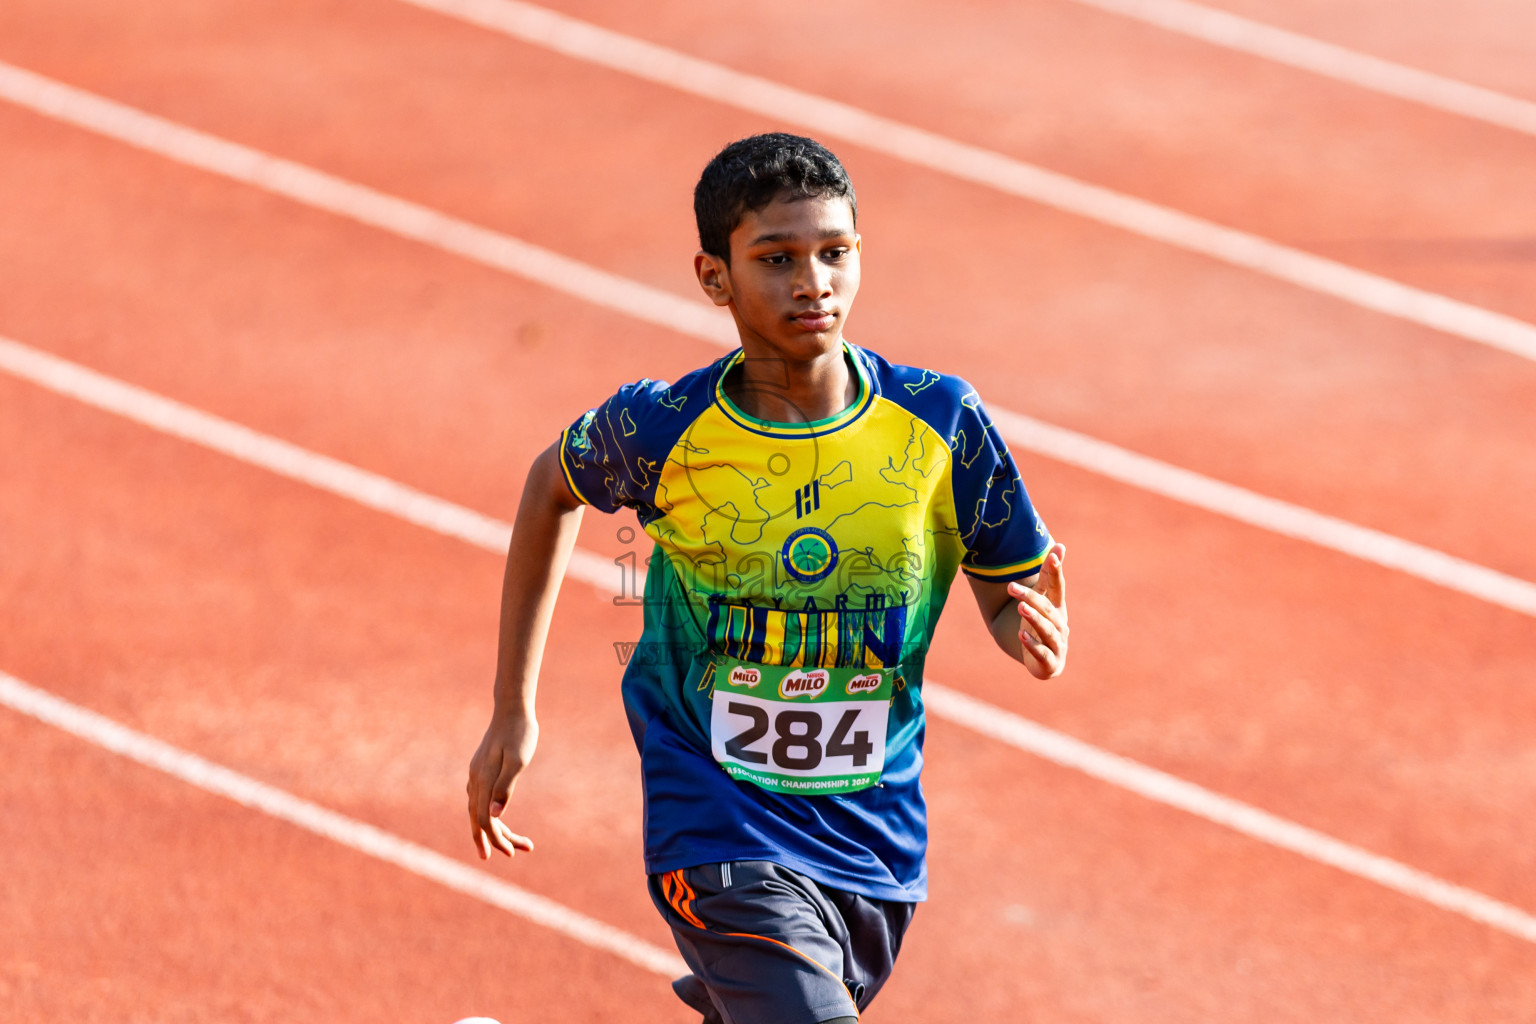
point(612, 455)
point(1004, 536)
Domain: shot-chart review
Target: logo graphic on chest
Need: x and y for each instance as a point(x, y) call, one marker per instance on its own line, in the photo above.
point(809, 554)
point(808, 499)
point(864, 684)
point(804, 684)
point(743, 676)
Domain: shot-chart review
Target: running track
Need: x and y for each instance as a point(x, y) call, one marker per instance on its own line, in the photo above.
point(342, 655)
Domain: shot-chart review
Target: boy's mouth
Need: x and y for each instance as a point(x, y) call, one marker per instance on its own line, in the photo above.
point(815, 320)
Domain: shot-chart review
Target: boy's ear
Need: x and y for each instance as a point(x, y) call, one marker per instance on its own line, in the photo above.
point(714, 277)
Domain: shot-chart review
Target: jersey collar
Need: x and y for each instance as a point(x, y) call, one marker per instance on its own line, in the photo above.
point(767, 428)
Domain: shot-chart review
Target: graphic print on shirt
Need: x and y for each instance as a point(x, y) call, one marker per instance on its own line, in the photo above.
point(785, 548)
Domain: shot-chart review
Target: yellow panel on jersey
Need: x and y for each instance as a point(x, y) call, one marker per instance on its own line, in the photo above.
point(798, 573)
point(813, 549)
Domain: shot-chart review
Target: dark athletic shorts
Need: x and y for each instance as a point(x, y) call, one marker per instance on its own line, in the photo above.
point(769, 946)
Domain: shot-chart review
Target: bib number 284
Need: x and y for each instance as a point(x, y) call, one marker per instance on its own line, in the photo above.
point(790, 745)
point(797, 737)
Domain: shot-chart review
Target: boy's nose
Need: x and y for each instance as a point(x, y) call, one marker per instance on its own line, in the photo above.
point(815, 281)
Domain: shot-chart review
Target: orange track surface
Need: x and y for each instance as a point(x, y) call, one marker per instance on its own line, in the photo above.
point(346, 657)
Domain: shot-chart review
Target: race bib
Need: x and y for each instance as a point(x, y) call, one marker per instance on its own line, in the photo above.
point(795, 730)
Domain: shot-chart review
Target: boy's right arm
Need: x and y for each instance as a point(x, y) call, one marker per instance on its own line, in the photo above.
point(542, 538)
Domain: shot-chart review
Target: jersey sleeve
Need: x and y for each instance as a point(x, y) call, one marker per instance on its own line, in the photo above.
point(612, 455)
point(1005, 538)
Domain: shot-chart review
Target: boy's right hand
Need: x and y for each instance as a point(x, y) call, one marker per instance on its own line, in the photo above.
point(504, 752)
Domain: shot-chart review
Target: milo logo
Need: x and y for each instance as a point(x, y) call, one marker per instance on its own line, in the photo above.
point(864, 684)
point(748, 677)
point(804, 684)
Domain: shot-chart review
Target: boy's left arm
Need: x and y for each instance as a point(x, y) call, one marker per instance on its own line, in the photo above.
point(1028, 618)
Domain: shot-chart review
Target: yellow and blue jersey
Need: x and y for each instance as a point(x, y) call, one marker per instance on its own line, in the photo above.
point(828, 545)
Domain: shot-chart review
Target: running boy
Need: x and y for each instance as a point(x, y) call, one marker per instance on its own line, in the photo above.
point(810, 504)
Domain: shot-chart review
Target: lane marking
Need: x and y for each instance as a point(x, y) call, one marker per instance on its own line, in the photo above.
point(419, 223)
point(349, 832)
point(1282, 517)
point(1067, 446)
point(1330, 60)
point(226, 437)
point(359, 203)
point(831, 119)
point(695, 319)
point(385, 495)
point(1160, 787)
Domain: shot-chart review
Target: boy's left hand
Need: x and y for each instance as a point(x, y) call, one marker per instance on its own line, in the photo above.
point(1043, 629)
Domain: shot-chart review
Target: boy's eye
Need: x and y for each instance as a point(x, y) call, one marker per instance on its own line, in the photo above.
point(835, 254)
point(775, 259)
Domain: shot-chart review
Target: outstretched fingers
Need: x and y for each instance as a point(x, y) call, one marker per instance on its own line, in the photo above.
point(507, 841)
point(1053, 576)
point(488, 796)
point(1046, 620)
point(1043, 629)
point(1045, 654)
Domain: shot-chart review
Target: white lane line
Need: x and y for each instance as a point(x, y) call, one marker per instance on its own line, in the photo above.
point(270, 453)
point(349, 832)
point(359, 203)
point(646, 303)
point(831, 119)
point(696, 319)
point(1163, 788)
point(1282, 517)
point(385, 495)
point(1257, 39)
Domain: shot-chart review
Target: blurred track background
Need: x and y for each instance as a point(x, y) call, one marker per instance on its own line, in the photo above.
point(343, 655)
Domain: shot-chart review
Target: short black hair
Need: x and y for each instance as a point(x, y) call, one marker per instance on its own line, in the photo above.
point(750, 173)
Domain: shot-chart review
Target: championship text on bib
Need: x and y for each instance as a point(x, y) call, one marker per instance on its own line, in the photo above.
point(793, 730)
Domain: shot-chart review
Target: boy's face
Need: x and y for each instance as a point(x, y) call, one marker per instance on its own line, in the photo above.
point(793, 274)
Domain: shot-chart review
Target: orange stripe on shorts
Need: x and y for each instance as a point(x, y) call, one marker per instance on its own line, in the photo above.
point(686, 897)
point(680, 894)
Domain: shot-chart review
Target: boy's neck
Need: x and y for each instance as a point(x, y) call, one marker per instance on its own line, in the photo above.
point(779, 390)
